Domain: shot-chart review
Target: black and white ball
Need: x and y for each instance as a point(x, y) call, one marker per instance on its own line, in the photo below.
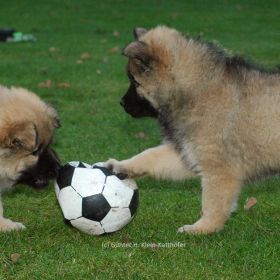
point(93, 199)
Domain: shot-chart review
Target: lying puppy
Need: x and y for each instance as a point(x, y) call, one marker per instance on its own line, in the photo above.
point(219, 115)
point(26, 130)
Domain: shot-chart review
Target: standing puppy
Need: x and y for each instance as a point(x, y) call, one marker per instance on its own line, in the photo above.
point(219, 115)
point(26, 130)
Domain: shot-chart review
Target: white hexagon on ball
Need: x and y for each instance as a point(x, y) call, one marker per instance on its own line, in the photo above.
point(88, 226)
point(88, 181)
point(71, 210)
point(117, 193)
point(116, 219)
point(130, 183)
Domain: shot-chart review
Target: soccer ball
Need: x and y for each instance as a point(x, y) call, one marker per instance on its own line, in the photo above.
point(93, 199)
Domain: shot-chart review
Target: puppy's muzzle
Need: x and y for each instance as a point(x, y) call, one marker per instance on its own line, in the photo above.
point(47, 168)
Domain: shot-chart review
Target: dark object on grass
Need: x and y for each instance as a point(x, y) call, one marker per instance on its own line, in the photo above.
point(6, 33)
point(9, 35)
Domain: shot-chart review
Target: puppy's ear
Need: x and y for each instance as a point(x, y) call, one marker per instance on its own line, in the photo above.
point(20, 136)
point(138, 32)
point(54, 116)
point(141, 53)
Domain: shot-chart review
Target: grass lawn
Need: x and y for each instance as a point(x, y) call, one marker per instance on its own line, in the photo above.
point(78, 50)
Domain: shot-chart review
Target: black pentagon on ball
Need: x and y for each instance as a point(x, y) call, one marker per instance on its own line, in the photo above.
point(95, 207)
point(133, 205)
point(105, 170)
point(81, 164)
point(65, 175)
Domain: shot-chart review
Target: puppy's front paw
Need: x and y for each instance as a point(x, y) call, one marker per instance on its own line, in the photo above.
point(117, 168)
point(9, 225)
point(200, 227)
point(190, 229)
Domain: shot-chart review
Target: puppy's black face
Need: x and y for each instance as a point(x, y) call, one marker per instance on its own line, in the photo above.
point(46, 169)
point(134, 105)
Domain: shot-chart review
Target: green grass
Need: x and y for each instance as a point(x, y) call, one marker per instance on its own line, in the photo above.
point(96, 128)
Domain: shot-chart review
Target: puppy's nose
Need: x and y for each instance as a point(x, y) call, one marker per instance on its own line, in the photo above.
point(122, 102)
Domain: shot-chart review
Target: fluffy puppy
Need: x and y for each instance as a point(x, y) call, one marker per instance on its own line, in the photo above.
point(219, 116)
point(26, 131)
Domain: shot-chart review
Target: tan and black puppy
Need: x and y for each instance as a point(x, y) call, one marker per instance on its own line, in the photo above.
point(26, 130)
point(220, 117)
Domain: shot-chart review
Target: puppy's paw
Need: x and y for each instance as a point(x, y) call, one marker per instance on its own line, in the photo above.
point(117, 167)
point(190, 229)
point(9, 225)
point(200, 227)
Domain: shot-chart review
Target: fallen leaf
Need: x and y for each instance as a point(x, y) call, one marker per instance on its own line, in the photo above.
point(116, 33)
point(105, 60)
point(250, 202)
point(79, 61)
point(46, 84)
point(63, 85)
point(85, 56)
point(103, 40)
point(60, 59)
point(140, 135)
point(53, 49)
point(15, 257)
point(98, 72)
point(115, 49)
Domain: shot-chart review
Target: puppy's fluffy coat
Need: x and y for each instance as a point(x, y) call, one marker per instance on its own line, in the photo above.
point(219, 116)
point(26, 130)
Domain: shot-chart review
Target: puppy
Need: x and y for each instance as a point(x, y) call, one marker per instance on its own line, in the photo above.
point(26, 130)
point(219, 116)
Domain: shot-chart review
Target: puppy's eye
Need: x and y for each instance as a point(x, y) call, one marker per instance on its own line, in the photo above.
point(37, 151)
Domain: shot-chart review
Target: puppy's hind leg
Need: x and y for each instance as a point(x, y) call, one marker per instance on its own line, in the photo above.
point(161, 162)
point(7, 224)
